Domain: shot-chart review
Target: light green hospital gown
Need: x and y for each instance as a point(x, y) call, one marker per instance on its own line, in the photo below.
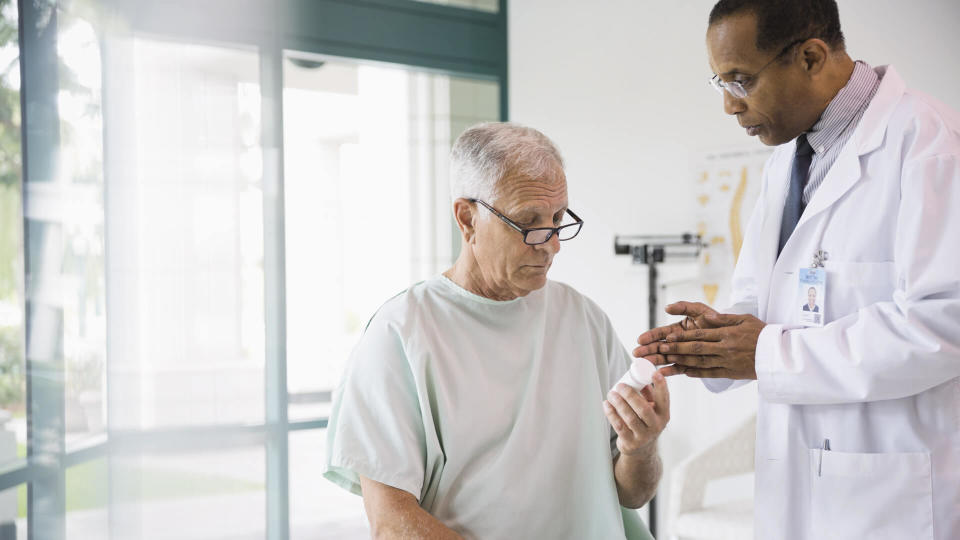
point(488, 412)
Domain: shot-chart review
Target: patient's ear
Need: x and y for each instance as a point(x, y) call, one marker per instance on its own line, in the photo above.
point(465, 214)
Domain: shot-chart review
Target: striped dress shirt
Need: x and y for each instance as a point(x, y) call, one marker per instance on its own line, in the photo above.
point(837, 123)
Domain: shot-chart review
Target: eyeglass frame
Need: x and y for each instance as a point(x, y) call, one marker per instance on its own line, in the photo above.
point(526, 231)
point(720, 85)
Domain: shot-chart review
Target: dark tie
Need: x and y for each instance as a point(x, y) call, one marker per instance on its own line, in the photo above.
point(793, 209)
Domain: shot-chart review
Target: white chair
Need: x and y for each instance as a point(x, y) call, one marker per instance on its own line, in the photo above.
point(690, 518)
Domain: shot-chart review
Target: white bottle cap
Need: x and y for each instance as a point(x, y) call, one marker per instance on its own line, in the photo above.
point(639, 375)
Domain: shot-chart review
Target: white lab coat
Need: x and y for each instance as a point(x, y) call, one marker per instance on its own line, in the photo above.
point(881, 380)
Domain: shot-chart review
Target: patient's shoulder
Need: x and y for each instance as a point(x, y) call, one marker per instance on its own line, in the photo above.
point(576, 303)
point(397, 309)
point(405, 311)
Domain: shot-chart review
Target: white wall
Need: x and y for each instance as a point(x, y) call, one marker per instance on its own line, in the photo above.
point(621, 86)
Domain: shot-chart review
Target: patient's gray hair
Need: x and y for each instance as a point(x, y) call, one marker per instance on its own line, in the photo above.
point(487, 153)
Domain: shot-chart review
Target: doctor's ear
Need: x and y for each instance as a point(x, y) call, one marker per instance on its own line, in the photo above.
point(465, 213)
point(813, 54)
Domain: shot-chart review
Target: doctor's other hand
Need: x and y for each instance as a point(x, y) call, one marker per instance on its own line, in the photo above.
point(638, 417)
point(706, 344)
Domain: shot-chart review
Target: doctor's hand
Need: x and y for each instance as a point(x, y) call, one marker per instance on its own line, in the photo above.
point(698, 316)
point(706, 344)
point(638, 417)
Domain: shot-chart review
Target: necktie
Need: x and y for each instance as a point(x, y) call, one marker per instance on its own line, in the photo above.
point(794, 206)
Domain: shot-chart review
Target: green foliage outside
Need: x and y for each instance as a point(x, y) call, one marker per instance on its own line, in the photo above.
point(12, 388)
point(10, 157)
point(12, 391)
point(84, 372)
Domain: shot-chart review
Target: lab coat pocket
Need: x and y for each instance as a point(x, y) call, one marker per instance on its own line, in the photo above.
point(853, 285)
point(877, 496)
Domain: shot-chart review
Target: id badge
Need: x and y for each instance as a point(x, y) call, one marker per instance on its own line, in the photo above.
point(811, 296)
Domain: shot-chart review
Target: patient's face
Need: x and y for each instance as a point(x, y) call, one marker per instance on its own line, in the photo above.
point(508, 264)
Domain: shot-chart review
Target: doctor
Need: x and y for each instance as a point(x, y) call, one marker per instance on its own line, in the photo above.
point(811, 304)
point(858, 432)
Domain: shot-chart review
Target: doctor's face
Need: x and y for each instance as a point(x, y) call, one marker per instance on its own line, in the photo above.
point(812, 297)
point(779, 105)
point(507, 263)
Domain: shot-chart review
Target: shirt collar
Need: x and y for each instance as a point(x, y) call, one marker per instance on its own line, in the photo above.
point(843, 108)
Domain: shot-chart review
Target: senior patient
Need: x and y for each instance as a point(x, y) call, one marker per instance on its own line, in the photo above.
point(476, 403)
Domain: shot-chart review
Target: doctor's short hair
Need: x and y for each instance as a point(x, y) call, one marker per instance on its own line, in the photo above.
point(485, 154)
point(781, 22)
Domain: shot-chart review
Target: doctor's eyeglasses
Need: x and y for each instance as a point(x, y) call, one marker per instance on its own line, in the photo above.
point(738, 89)
point(539, 235)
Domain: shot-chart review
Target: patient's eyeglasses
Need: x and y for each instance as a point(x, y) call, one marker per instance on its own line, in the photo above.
point(539, 235)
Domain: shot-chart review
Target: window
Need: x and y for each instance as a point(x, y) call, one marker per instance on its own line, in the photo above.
point(367, 201)
point(183, 325)
point(187, 311)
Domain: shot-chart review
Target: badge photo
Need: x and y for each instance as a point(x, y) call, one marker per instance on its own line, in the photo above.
point(811, 296)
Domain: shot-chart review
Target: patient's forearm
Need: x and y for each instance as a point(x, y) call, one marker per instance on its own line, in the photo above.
point(637, 476)
point(396, 514)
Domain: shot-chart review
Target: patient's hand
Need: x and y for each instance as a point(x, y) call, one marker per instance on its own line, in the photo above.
point(638, 417)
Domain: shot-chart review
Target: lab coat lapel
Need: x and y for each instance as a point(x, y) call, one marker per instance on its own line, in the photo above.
point(775, 197)
point(867, 137)
point(842, 176)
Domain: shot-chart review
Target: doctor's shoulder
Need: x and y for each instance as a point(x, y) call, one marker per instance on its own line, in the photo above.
point(924, 126)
